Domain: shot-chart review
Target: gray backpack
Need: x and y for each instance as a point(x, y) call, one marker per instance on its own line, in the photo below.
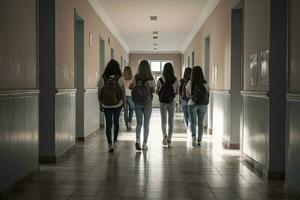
point(141, 93)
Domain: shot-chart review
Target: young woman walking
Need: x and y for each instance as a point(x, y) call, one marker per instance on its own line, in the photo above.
point(167, 88)
point(183, 96)
point(143, 87)
point(111, 95)
point(127, 74)
point(197, 91)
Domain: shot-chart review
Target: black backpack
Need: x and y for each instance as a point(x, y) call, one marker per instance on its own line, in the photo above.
point(200, 95)
point(141, 93)
point(111, 93)
point(166, 93)
point(183, 95)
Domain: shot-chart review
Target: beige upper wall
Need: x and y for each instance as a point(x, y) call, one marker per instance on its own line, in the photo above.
point(65, 43)
point(134, 60)
point(217, 27)
point(18, 56)
point(256, 37)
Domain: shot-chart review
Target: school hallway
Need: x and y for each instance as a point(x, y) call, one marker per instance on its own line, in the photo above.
point(54, 59)
point(179, 173)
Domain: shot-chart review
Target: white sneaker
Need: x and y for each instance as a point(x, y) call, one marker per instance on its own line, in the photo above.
point(145, 147)
point(165, 140)
point(194, 143)
point(110, 148)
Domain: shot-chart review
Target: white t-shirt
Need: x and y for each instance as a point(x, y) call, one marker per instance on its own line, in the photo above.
point(101, 85)
point(127, 90)
point(175, 85)
point(189, 92)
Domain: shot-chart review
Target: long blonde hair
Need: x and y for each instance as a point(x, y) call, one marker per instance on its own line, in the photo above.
point(127, 73)
point(144, 71)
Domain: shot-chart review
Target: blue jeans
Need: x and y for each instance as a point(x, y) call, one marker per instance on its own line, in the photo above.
point(112, 116)
point(143, 115)
point(167, 111)
point(129, 110)
point(197, 114)
point(186, 116)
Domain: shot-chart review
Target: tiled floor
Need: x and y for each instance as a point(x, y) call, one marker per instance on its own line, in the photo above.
point(179, 173)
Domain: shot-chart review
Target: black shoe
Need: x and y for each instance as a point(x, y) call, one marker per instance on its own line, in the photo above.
point(138, 146)
point(199, 143)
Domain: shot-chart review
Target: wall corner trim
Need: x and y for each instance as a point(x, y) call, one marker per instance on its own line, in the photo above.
point(96, 5)
point(209, 8)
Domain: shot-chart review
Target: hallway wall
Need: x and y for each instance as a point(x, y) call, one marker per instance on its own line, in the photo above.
point(293, 100)
point(65, 74)
point(134, 60)
point(218, 28)
point(18, 91)
point(255, 101)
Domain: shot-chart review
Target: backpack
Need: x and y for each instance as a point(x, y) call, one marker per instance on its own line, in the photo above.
point(141, 93)
point(183, 90)
point(166, 93)
point(111, 93)
point(200, 95)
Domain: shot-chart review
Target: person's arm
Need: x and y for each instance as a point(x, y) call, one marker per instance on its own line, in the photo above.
point(189, 89)
point(176, 87)
point(100, 86)
point(153, 85)
point(122, 85)
point(158, 87)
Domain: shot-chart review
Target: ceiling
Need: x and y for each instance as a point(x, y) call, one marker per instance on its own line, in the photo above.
point(178, 22)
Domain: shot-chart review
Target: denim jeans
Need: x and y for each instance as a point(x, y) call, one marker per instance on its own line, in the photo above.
point(167, 111)
point(129, 110)
point(143, 115)
point(112, 116)
point(197, 114)
point(185, 110)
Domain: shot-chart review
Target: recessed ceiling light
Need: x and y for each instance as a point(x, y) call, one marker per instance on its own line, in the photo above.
point(155, 44)
point(155, 37)
point(155, 32)
point(155, 49)
point(153, 18)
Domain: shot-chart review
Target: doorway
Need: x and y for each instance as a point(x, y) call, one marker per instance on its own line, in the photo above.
point(208, 122)
point(79, 74)
point(101, 70)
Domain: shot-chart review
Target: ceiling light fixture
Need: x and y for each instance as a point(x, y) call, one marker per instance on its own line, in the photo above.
point(153, 18)
point(155, 37)
point(155, 44)
point(155, 49)
point(155, 32)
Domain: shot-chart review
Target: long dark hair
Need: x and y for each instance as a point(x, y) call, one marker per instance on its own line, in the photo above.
point(168, 73)
point(112, 68)
point(187, 74)
point(197, 77)
point(144, 72)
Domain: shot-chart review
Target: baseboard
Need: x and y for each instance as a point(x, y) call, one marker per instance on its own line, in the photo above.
point(86, 138)
point(232, 146)
point(266, 173)
point(57, 158)
point(4, 194)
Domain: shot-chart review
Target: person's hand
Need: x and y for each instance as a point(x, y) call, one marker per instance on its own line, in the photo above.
point(123, 107)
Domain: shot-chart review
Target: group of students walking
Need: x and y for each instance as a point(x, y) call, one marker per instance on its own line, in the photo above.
point(119, 91)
